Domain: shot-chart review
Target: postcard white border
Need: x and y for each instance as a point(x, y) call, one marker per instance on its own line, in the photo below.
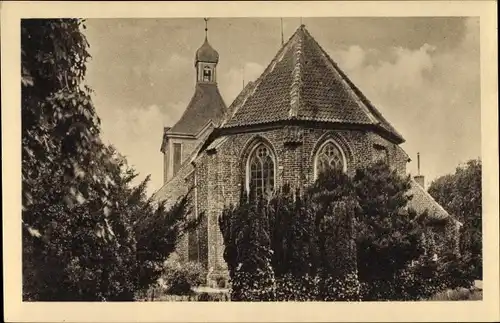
point(16, 310)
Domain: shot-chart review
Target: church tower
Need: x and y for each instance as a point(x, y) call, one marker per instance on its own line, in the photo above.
point(202, 114)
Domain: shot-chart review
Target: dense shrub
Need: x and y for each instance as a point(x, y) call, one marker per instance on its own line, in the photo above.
point(343, 238)
point(388, 235)
point(179, 279)
point(299, 289)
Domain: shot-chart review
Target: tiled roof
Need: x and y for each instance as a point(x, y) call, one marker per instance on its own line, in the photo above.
point(240, 99)
point(302, 82)
point(206, 104)
point(422, 201)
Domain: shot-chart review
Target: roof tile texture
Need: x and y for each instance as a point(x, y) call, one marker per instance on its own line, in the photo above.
point(206, 104)
point(303, 82)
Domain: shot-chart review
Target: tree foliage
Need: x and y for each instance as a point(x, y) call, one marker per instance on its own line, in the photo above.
point(245, 231)
point(345, 238)
point(461, 195)
point(388, 236)
point(88, 233)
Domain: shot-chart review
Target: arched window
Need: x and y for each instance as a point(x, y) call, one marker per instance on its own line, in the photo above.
point(329, 156)
point(261, 170)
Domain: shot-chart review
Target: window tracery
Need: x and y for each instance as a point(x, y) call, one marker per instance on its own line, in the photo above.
point(261, 170)
point(329, 156)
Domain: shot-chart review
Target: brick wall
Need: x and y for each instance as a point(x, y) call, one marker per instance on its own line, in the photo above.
point(188, 146)
point(219, 174)
point(222, 170)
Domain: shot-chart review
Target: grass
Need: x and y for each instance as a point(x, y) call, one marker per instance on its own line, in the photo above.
point(459, 294)
point(207, 294)
point(202, 294)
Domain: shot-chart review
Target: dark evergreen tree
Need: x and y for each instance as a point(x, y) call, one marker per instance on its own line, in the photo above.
point(335, 206)
point(388, 236)
point(245, 230)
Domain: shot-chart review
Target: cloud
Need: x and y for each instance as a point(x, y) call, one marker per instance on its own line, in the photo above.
point(137, 134)
point(434, 87)
point(231, 83)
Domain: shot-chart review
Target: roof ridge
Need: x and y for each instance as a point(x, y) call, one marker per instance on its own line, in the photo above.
point(270, 67)
point(296, 86)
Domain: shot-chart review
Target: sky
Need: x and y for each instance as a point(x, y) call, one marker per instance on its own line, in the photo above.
point(421, 73)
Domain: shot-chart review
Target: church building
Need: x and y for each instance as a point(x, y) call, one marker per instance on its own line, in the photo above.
point(302, 115)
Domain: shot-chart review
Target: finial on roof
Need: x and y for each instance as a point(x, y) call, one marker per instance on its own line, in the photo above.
point(282, 39)
point(206, 27)
point(243, 73)
point(418, 164)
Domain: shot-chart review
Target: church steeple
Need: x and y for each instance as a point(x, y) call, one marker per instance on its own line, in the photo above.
point(206, 61)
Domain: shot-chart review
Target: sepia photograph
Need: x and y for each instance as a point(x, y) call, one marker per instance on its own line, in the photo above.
point(252, 159)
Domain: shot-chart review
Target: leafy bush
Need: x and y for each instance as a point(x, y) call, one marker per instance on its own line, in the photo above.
point(181, 278)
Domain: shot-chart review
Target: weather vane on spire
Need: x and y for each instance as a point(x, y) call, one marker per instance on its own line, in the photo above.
point(206, 27)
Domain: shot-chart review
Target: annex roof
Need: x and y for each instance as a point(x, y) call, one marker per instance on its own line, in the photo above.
point(422, 201)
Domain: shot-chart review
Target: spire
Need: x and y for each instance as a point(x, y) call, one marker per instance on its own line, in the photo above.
point(206, 60)
point(206, 53)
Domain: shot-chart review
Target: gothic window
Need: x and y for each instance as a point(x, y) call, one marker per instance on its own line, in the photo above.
point(261, 174)
point(329, 156)
point(177, 156)
point(207, 74)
